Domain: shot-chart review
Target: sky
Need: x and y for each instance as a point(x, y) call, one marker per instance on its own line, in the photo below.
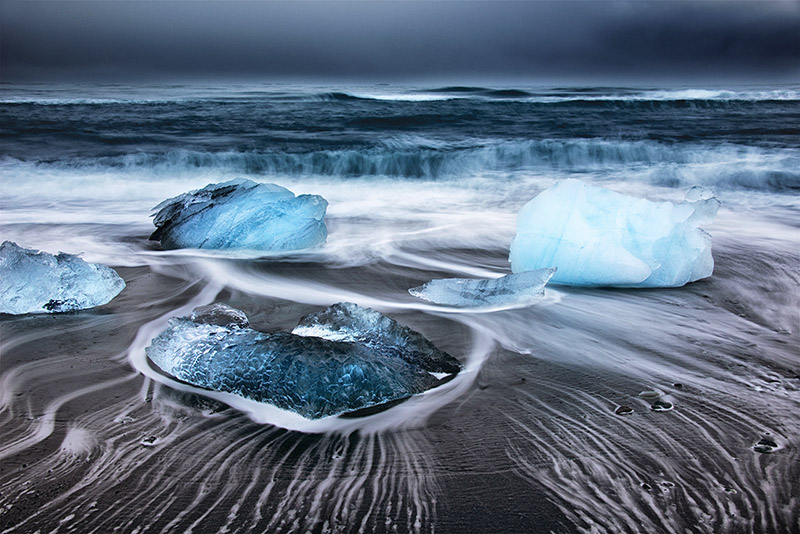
point(608, 41)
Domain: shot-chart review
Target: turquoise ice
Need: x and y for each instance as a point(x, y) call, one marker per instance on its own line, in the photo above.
point(520, 288)
point(598, 237)
point(38, 282)
point(241, 214)
point(366, 360)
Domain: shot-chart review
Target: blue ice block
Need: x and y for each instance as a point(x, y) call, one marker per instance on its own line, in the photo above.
point(241, 214)
point(597, 237)
point(38, 282)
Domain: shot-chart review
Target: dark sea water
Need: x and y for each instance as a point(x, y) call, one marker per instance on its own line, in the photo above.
point(422, 183)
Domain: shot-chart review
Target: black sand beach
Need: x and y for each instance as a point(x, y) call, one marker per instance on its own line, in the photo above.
point(530, 444)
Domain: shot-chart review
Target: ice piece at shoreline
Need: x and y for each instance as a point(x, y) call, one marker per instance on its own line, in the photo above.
point(522, 287)
point(241, 214)
point(216, 349)
point(597, 237)
point(38, 282)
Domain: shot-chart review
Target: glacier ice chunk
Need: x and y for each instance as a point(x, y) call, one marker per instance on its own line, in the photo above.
point(241, 214)
point(517, 288)
point(38, 282)
point(376, 362)
point(598, 237)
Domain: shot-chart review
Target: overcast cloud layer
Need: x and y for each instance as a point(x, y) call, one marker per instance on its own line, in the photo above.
point(396, 41)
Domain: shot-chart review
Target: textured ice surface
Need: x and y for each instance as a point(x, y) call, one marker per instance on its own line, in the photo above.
point(38, 282)
point(346, 321)
point(241, 214)
point(598, 237)
point(375, 362)
point(523, 287)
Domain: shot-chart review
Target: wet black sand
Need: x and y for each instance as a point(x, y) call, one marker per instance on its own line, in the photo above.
point(532, 444)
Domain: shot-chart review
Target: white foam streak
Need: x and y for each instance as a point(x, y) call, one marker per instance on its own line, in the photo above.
point(719, 95)
point(405, 97)
point(46, 421)
point(409, 414)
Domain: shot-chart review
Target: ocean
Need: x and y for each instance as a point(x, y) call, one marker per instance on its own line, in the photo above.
point(423, 182)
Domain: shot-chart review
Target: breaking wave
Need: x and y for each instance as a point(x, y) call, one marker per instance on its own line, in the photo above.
point(723, 166)
point(165, 94)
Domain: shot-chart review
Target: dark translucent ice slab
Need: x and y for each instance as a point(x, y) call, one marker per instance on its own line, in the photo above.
point(216, 349)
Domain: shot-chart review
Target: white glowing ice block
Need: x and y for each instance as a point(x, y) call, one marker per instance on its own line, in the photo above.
point(597, 237)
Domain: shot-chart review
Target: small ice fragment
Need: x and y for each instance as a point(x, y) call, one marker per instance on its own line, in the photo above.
point(241, 214)
point(765, 445)
point(661, 406)
point(38, 282)
point(650, 395)
point(699, 193)
point(372, 360)
point(623, 410)
point(465, 292)
point(597, 237)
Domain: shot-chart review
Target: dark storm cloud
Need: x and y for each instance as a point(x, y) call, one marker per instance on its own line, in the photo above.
point(397, 40)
